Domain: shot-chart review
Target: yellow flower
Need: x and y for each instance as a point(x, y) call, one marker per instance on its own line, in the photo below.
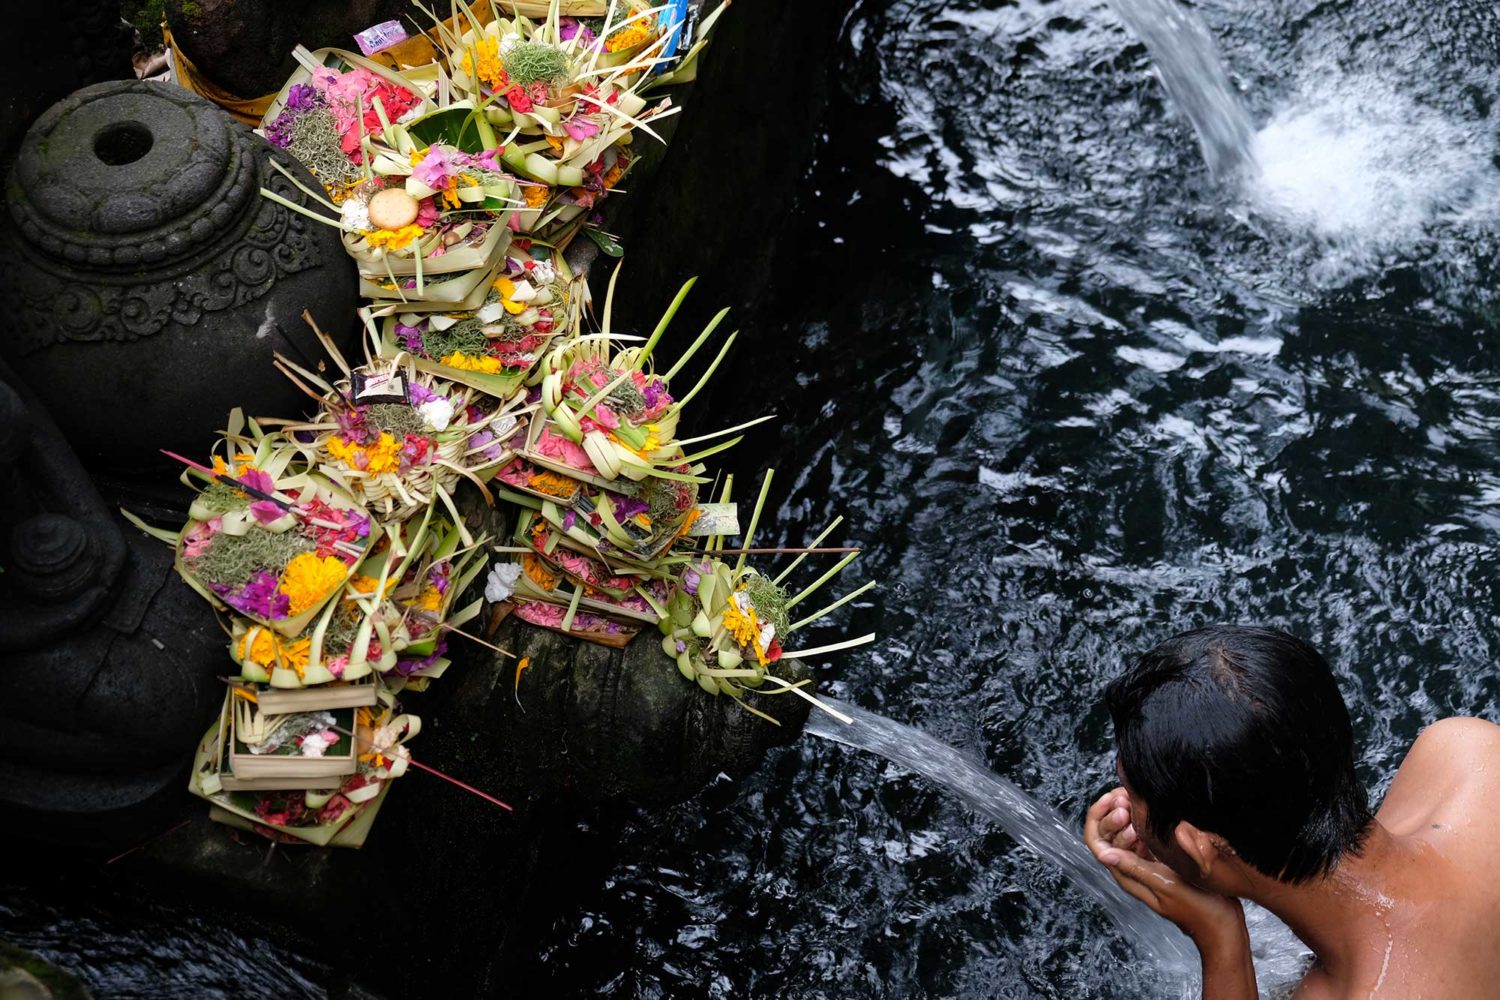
point(628, 37)
point(536, 195)
point(262, 647)
point(308, 578)
point(744, 629)
point(469, 363)
point(490, 70)
point(507, 288)
point(392, 239)
point(428, 600)
point(361, 584)
point(384, 455)
point(244, 462)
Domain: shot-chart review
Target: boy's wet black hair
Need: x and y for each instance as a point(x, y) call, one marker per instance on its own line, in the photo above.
point(1242, 732)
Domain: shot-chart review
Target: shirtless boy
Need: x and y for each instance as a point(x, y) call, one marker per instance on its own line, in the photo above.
point(1236, 758)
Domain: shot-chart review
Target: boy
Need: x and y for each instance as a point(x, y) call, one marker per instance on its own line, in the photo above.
point(1236, 757)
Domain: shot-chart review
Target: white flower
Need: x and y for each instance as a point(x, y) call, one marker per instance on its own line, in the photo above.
point(544, 273)
point(767, 633)
point(316, 744)
point(437, 412)
point(501, 582)
point(355, 215)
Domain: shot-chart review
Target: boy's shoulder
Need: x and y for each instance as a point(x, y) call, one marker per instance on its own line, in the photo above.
point(1445, 777)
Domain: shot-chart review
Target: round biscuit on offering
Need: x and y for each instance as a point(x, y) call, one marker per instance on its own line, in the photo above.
point(392, 209)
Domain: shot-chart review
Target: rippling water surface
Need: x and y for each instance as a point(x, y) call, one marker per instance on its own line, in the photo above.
point(1075, 397)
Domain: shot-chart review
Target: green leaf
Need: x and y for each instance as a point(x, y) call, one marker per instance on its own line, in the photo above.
point(606, 242)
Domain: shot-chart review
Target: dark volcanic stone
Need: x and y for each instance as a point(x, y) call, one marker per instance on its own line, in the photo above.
point(245, 46)
point(146, 275)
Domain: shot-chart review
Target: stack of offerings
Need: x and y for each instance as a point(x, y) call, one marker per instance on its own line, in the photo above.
point(612, 535)
point(605, 488)
point(509, 131)
point(335, 551)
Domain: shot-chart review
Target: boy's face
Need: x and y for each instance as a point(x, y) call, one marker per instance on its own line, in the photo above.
point(1168, 854)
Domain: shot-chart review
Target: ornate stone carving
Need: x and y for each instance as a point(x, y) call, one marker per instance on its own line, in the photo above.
point(134, 212)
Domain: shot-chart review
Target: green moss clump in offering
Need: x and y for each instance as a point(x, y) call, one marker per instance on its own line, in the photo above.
point(769, 602)
point(464, 337)
point(232, 560)
point(396, 419)
point(626, 398)
point(315, 143)
point(534, 62)
point(221, 499)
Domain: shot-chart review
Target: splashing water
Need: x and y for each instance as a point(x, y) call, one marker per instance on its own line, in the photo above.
point(1279, 957)
point(1037, 827)
point(1366, 163)
point(1194, 76)
point(1355, 165)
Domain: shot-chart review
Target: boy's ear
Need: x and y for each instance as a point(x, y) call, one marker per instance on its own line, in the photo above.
point(1201, 848)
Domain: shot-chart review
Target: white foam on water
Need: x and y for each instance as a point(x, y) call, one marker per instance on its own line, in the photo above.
point(1365, 169)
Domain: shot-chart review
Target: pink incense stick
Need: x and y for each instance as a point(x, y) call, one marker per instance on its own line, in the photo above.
point(430, 770)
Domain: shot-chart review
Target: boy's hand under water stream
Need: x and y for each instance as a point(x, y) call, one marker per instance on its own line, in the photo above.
point(1215, 923)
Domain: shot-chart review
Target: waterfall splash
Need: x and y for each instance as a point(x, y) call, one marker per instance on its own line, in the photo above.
point(1035, 826)
point(1188, 60)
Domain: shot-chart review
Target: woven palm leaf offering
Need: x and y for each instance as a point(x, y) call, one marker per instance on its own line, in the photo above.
point(333, 106)
point(314, 777)
point(494, 347)
point(566, 93)
point(727, 622)
point(390, 620)
point(266, 537)
point(611, 419)
point(396, 438)
point(426, 595)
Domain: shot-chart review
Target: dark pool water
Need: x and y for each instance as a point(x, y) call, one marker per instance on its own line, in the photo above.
point(1075, 398)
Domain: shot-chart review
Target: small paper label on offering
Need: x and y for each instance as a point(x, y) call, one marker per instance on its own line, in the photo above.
point(716, 519)
point(380, 36)
point(387, 388)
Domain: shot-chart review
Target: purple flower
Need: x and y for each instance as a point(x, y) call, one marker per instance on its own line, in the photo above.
point(411, 337)
point(438, 167)
point(303, 97)
point(629, 507)
point(493, 449)
point(420, 394)
point(353, 427)
point(261, 597)
point(567, 27)
point(655, 391)
point(569, 519)
point(580, 128)
point(279, 130)
point(408, 666)
point(267, 512)
point(439, 576)
point(488, 159)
